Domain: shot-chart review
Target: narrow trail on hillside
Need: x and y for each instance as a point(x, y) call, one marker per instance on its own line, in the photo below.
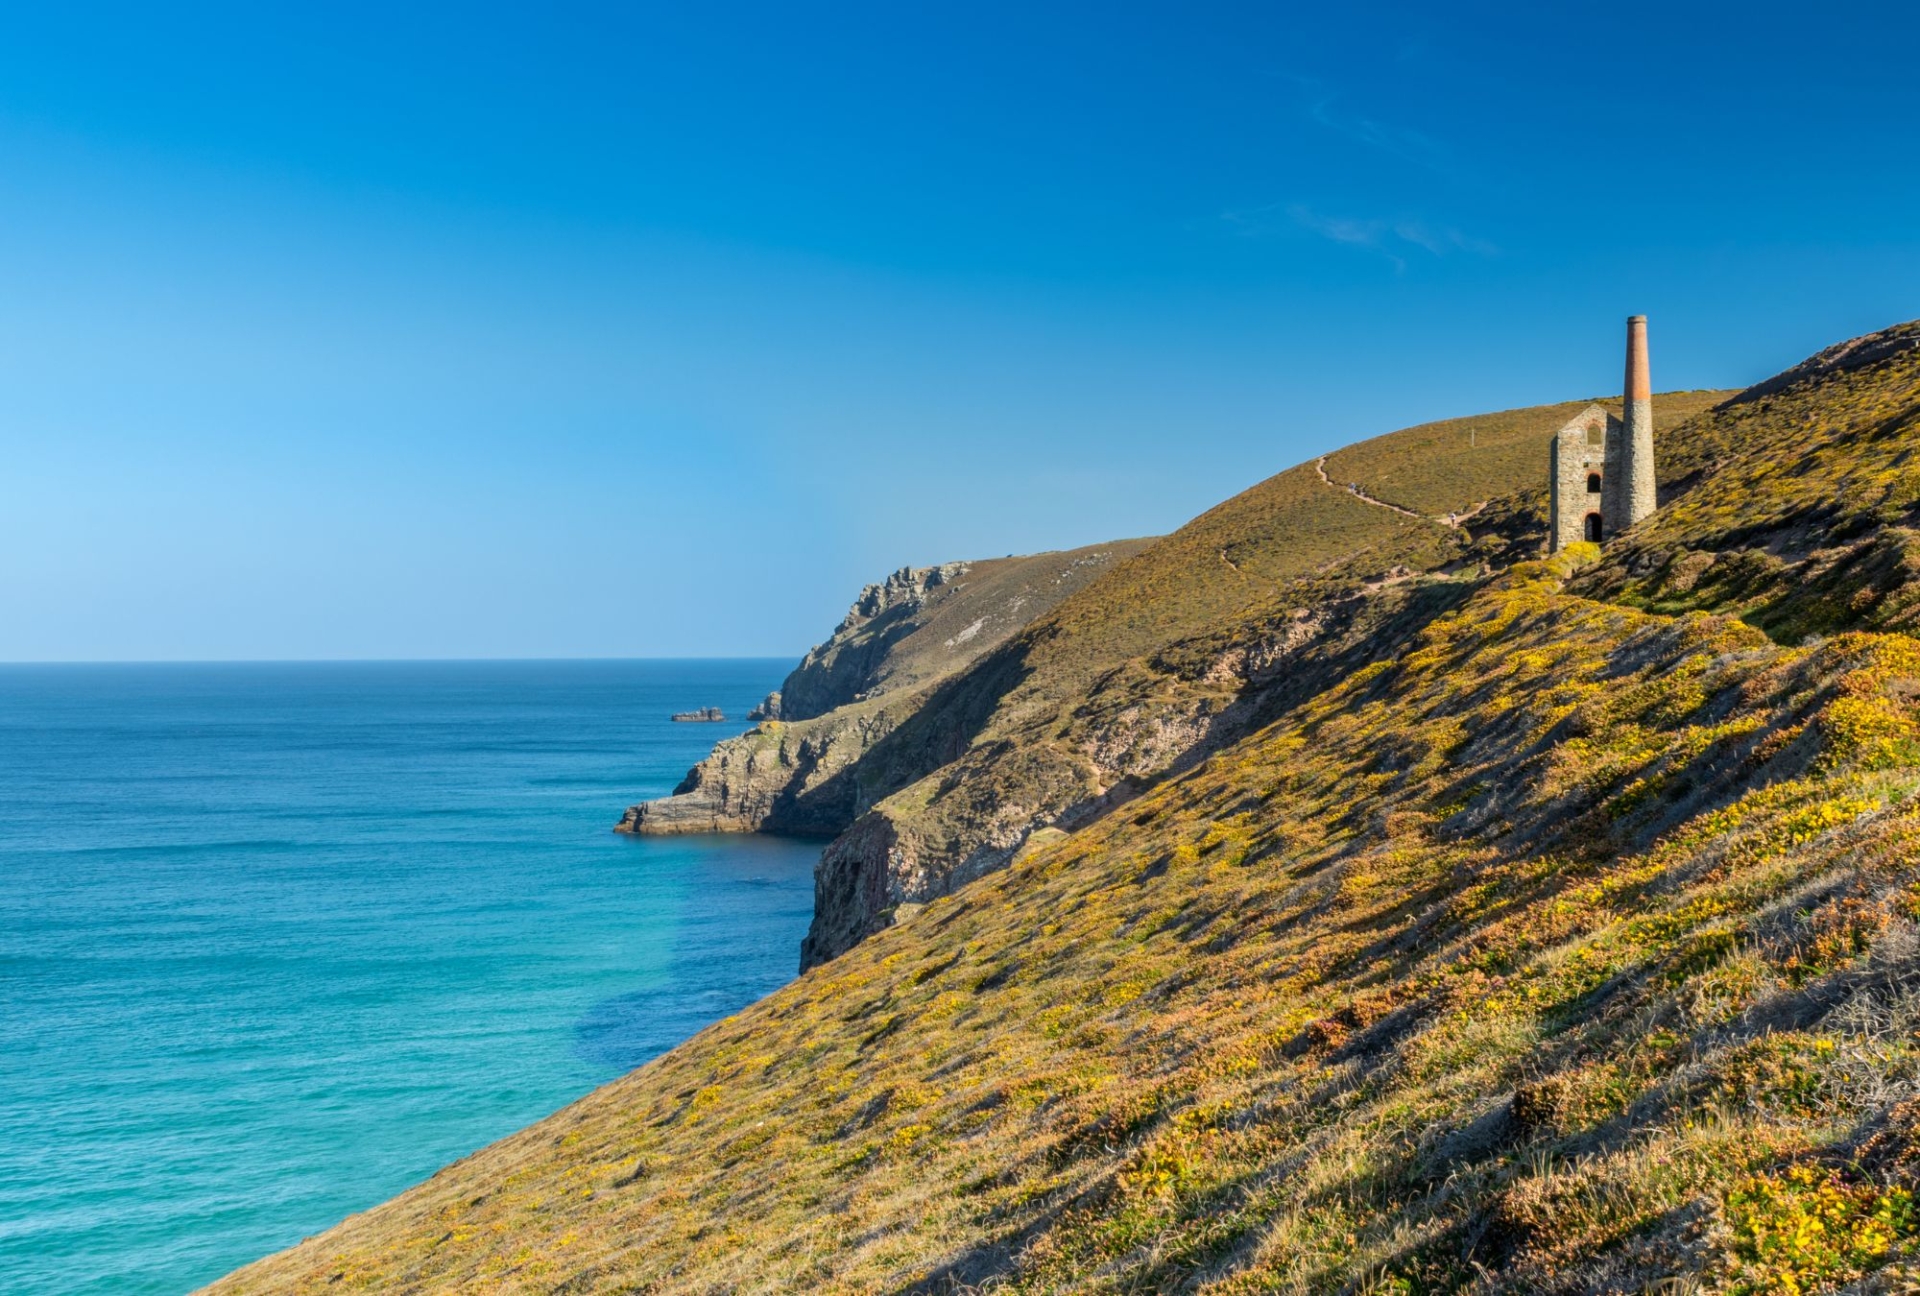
point(1354, 489)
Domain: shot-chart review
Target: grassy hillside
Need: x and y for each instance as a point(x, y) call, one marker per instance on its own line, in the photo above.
point(1454, 464)
point(1571, 946)
point(1199, 638)
point(1797, 512)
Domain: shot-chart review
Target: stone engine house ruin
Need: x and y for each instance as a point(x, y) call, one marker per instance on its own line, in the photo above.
point(1600, 474)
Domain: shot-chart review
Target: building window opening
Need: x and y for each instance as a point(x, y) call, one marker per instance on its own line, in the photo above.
point(1593, 483)
point(1593, 527)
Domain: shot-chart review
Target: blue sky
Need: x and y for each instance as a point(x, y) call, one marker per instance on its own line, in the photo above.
point(657, 330)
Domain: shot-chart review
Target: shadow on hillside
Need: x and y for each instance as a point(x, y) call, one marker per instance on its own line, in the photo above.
point(994, 1260)
point(805, 696)
point(1045, 768)
point(939, 732)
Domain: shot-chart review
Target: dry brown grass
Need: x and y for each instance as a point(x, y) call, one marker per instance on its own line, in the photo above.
point(1456, 464)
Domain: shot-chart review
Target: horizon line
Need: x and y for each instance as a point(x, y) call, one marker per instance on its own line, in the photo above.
point(380, 661)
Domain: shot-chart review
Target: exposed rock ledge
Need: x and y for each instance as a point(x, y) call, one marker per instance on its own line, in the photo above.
point(779, 777)
point(805, 769)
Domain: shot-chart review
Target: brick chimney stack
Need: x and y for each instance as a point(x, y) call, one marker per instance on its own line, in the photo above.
point(1628, 487)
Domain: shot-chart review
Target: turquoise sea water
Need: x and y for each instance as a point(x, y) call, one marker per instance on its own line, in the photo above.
point(277, 941)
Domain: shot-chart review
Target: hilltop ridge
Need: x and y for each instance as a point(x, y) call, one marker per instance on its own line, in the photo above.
point(1538, 926)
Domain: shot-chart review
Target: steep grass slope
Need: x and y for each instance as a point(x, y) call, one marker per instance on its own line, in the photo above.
point(1198, 639)
point(1572, 946)
point(1794, 504)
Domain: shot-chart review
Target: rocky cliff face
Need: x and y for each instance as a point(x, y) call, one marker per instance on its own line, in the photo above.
point(958, 711)
point(818, 759)
point(780, 777)
point(859, 658)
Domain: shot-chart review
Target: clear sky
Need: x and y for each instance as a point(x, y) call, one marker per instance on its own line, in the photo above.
point(629, 330)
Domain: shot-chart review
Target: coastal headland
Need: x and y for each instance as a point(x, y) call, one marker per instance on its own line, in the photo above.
point(1337, 894)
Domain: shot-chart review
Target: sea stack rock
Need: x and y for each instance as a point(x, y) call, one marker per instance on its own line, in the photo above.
point(703, 715)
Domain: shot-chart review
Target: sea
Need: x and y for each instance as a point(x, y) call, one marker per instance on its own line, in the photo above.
point(279, 940)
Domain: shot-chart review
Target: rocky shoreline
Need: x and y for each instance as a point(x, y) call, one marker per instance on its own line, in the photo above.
point(865, 713)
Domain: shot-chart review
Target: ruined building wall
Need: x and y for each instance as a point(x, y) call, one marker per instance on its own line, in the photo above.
point(1578, 449)
point(1624, 459)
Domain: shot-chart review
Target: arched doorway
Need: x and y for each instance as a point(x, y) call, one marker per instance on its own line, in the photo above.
point(1593, 527)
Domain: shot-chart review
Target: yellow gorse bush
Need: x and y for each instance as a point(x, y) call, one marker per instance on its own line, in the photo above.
point(1809, 1229)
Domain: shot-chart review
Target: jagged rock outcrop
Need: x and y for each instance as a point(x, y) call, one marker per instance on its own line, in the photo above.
point(702, 715)
point(857, 660)
point(811, 767)
point(780, 777)
point(769, 709)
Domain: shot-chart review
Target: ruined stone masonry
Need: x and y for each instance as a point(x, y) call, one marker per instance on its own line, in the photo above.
point(1577, 475)
point(1600, 477)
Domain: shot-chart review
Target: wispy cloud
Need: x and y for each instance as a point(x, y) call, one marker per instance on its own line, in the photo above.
point(1341, 229)
point(1325, 108)
point(1391, 237)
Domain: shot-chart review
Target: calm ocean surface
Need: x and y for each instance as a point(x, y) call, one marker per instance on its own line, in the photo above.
point(277, 941)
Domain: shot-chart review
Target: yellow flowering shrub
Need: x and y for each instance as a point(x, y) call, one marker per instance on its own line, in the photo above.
point(1810, 1229)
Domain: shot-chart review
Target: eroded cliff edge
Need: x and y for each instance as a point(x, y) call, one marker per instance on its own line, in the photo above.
point(820, 761)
